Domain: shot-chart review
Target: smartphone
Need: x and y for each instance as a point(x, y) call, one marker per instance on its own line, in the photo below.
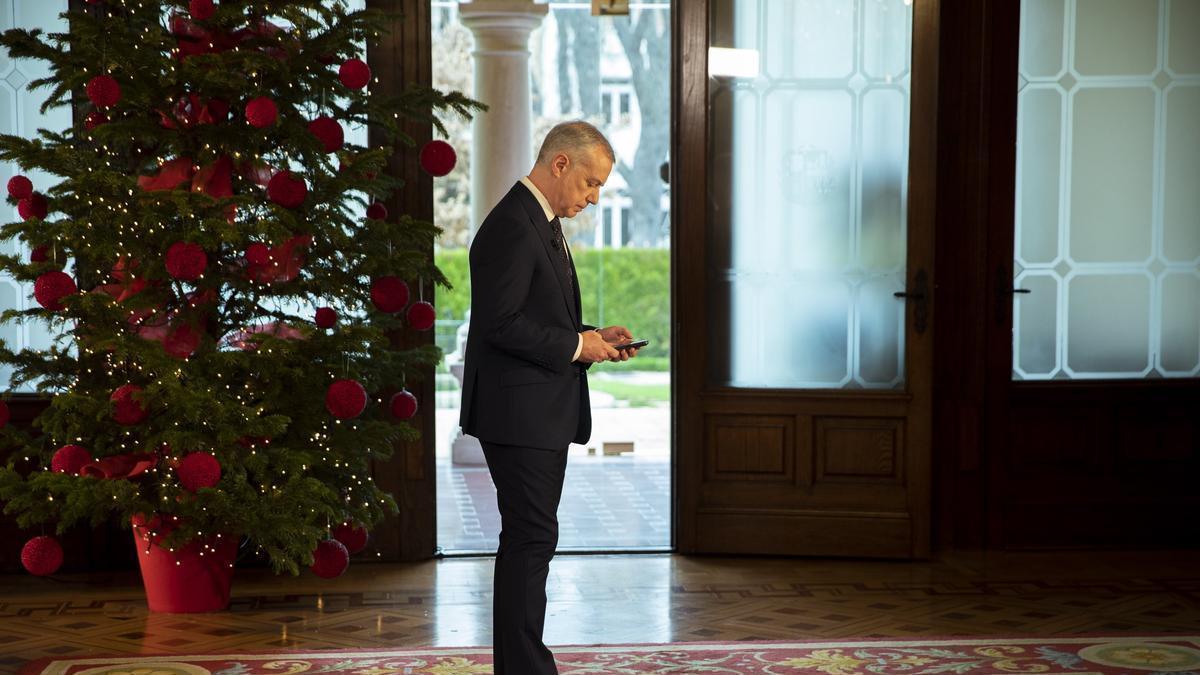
point(637, 344)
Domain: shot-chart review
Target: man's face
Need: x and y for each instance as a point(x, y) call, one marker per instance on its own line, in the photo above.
point(579, 181)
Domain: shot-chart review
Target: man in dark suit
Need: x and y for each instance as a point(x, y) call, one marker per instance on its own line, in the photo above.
point(525, 392)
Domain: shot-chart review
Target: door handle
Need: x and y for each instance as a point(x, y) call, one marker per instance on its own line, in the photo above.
point(1003, 290)
point(919, 295)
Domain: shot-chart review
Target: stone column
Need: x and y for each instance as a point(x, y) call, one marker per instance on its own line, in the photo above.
point(501, 144)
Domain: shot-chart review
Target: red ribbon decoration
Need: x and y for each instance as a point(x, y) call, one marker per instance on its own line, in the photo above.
point(214, 179)
point(119, 466)
point(188, 112)
point(283, 261)
point(170, 175)
point(244, 339)
point(196, 40)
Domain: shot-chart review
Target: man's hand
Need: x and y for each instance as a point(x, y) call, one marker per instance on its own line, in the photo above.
point(596, 349)
point(616, 335)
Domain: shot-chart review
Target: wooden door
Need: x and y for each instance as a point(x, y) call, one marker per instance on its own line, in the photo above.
point(802, 427)
point(1093, 360)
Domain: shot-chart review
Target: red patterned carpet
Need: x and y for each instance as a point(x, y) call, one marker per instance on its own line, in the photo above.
point(1124, 654)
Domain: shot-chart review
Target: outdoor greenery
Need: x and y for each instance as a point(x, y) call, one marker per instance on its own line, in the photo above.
point(628, 286)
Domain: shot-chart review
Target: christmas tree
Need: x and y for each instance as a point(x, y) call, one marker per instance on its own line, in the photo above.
point(222, 276)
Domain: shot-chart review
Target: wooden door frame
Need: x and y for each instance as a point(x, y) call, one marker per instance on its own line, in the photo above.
point(689, 123)
point(401, 59)
point(977, 105)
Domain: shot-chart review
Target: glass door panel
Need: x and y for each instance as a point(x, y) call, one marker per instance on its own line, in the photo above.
point(808, 161)
point(1107, 254)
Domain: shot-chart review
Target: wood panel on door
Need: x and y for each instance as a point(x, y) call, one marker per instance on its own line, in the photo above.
point(791, 470)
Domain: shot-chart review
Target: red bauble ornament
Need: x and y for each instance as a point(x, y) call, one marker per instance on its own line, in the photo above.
point(186, 261)
point(258, 253)
point(326, 317)
point(69, 459)
point(403, 405)
point(390, 294)
point(39, 254)
point(355, 73)
point(94, 119)
point(5, 414)
point(352, 537)
point(42, 555)
point(127, 410)
point(51, 287)
point(33, 206)
point(438, 158)
point(421, 315)
point(377, 211)
point(103, 91)
point(198, 470)
point(182, 340)
point(346, 399)
point(329, 132)
point(19, 187)
point(287, 189)
point(261, 112)
point(330, 559)
point(201, 10)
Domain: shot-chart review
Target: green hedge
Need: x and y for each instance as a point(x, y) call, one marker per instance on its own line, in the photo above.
point(629, 287)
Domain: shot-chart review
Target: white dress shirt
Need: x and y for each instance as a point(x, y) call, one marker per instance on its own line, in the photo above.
point(545, 204)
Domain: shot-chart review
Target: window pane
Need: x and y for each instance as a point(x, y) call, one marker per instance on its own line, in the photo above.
point(808, 193)
point(1108, 214)
point(20, 115)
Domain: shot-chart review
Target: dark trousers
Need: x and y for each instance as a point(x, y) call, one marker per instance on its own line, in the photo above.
point(529, 484)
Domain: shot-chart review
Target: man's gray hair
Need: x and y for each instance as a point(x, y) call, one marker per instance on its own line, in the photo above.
point(572, 137)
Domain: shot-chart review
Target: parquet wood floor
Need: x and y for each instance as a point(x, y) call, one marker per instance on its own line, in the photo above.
point(622, 599)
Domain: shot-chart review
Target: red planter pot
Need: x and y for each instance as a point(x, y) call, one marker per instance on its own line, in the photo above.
point(184, 581)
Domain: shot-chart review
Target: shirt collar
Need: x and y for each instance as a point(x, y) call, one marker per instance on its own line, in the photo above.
point(541, 198)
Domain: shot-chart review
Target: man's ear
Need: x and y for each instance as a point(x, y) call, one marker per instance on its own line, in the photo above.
point(560, 164)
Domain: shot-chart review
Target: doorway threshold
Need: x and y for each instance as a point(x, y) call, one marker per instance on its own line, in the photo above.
point(630, 550)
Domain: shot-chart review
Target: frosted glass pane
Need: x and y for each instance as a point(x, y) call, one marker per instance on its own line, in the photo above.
point(884, 158)
point(1042, 37)
point(1112, 173)
point(806, 217)
point(886, 45)
point(807, 197)
point(1039, 166)
point(1181, 323)
point(1183, 56)
point(741, 33)
point(1116, 37)
point(1181, 177)
point(1036, 318)
point(1108, 324)
point(880, 331)
point(806, 334)
point(1129, 191)
point(746, 311)
point(808, 38)
point(747, 251)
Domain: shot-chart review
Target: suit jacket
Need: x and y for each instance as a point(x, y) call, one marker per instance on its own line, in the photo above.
point(520, 386)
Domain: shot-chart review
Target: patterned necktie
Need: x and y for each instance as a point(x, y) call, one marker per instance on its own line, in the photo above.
point(559, 242)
